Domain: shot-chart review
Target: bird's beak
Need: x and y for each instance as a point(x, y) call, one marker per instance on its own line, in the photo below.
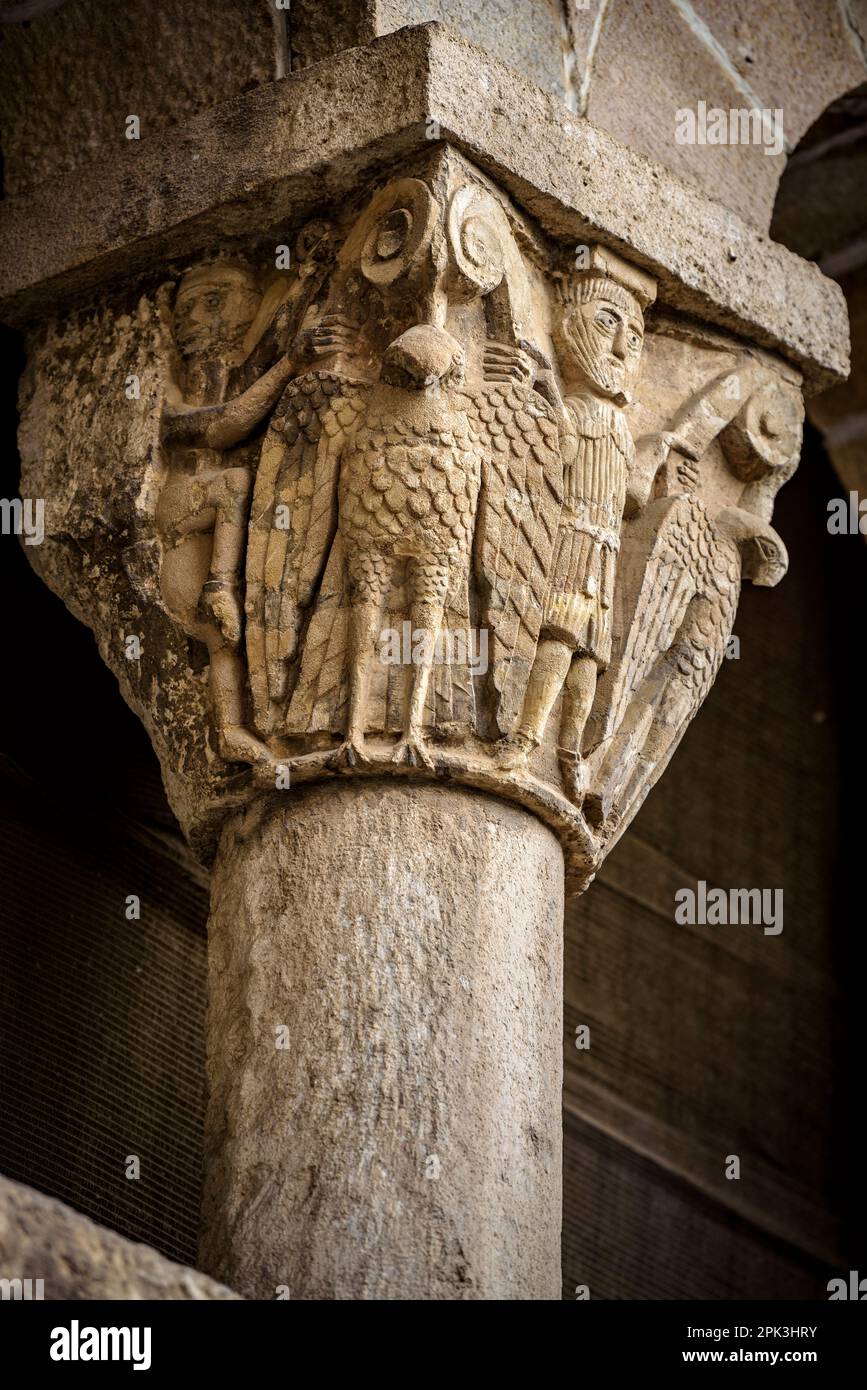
point(421, 357)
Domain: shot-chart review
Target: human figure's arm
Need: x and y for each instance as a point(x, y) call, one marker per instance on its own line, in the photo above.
point(223, 425)
point(659, 466)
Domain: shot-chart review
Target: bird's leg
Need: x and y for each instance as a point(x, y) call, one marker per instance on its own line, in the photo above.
point(368, 582)
point(577, 703)
point(428, 585)
point(550, 668)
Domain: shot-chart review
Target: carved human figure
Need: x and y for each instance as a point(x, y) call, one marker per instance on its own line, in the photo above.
point(203, 506)
point(598, 337)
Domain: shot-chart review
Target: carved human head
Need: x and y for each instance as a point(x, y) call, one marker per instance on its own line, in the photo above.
point(599, 326)
point(214, 306)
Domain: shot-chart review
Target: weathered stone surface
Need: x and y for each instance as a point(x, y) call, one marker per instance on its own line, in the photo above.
point(73, 75)
point(855, 18)
point(319, 31)
point(384, 1048)
point(527, 35)
point(793, 59)
point(583, 23)
point(40, 1238)
point(305, 142)
point(648, 48)
point(799, 55)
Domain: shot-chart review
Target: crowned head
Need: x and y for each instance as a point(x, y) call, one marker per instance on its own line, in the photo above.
point(599, 327)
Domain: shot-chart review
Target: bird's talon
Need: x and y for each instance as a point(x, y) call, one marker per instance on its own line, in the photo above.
point(411, 751)
point(350, 754)
point(575, 779)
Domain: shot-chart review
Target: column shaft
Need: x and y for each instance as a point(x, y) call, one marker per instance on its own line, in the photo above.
point(384, 1048)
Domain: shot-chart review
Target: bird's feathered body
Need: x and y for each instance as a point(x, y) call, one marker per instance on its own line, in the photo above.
point(291, 526)
point(458, 490)
point(519, 509)
point(409, 479)
point(677, 600)
point(679, 597)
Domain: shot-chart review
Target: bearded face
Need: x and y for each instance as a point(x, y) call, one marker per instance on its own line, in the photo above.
point(213, 310)
point(601, 342)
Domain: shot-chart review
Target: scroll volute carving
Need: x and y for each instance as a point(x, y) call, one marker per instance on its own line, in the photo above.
point(402, 507)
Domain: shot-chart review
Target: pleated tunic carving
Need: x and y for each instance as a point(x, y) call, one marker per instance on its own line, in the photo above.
point(598, 453)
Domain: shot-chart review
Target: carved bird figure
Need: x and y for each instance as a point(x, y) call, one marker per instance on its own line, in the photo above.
point(396, 477)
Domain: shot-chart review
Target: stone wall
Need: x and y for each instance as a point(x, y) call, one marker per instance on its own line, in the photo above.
point(93, 63)
point(629, 65)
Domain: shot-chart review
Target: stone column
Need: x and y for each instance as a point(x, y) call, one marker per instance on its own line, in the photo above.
point(406, 456)
point(384, 1042)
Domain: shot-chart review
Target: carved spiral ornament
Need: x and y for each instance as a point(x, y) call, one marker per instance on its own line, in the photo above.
point(774, 417)
point(478, 233)
point(767, 433)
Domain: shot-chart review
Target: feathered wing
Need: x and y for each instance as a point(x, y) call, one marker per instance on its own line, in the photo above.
point(451, 702)
point(516, 527)
point(292, 526)
point(677, 603)
point(654, 587)
point(320, 698)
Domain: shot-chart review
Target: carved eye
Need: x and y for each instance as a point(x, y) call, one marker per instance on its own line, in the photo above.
point(634, 340)
point(606, 320)
point(391, 236)
point(213, 300)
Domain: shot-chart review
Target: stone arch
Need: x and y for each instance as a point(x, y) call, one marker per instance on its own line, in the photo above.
point(821, 213)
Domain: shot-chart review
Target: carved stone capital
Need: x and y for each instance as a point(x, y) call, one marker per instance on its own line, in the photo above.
point(433, 497)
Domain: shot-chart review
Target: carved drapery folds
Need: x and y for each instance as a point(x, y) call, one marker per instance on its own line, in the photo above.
point(440, 500)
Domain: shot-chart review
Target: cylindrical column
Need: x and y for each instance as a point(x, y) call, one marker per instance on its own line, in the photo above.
point(385, 1047)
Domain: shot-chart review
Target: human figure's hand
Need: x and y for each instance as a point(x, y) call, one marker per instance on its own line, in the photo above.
point(220, 604)
point(545, 381)
point(504, 362)
point(333, 333)
point(687, 473)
